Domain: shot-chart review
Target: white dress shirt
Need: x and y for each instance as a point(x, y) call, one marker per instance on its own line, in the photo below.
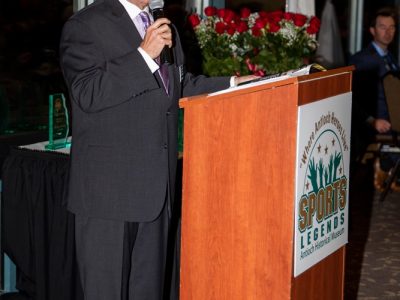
point(133, 12)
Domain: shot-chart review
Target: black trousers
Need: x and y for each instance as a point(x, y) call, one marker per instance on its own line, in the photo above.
point(122, 260)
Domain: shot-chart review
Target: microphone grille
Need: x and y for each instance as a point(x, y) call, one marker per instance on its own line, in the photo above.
point(156, 4)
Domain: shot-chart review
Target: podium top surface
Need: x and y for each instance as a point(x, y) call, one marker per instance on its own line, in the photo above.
point(275, 83)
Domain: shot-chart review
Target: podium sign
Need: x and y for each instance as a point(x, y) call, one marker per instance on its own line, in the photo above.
point(58, 122)
point(322, 180)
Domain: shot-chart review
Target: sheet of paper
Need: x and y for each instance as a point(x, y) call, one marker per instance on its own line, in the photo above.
point(250, 84)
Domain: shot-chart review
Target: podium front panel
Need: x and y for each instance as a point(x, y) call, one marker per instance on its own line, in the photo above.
point(238, 203)
point(237, 220)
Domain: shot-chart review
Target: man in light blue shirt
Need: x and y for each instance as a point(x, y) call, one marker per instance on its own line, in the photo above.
point(370, 111)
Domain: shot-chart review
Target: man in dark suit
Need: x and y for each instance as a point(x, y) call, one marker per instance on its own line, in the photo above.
point(124, 149)
point(370, 112)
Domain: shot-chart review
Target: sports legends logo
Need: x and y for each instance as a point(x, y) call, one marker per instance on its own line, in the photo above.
point(322, 184)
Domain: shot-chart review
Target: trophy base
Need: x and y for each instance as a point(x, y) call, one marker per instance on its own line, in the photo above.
point(55, 146)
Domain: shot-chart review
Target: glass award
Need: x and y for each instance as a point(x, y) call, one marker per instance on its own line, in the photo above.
point(58, 123)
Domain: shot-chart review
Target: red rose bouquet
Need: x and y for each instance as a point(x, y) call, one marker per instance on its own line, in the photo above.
point(253, 43)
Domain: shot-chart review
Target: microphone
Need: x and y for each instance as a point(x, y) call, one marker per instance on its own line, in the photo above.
point(157, 10)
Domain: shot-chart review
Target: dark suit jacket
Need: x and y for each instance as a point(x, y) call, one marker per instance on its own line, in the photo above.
point(124, 148)
point(368, 96)
point(367, 84)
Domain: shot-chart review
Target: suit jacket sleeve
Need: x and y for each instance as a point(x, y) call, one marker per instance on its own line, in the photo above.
point(95, 83)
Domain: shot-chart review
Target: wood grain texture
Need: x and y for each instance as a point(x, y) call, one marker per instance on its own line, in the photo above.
point(238, 196)
point(322, 85)
point(324, 280)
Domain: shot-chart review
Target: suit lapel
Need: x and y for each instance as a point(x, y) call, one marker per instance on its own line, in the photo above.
point(125, 24)
point(171, 79)
point(173, 69)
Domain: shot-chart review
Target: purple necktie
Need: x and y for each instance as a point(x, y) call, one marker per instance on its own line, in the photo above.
point(163, 70)
point(144, 16)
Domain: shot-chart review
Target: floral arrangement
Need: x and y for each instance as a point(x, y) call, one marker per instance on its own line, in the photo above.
point(257, 43)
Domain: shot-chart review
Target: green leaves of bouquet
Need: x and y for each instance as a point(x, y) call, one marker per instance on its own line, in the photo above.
point(257, 43)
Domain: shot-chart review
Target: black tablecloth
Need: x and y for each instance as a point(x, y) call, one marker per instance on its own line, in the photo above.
point(38, 231)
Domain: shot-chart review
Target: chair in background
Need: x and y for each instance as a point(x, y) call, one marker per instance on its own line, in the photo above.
point(391, 85)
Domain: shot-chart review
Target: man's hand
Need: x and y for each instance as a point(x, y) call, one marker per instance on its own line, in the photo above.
point(157, 36)
point(242, 79)
point(381, 125)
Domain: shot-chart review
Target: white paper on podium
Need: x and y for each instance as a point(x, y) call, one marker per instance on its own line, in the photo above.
point(305, 70)
point(250, 84)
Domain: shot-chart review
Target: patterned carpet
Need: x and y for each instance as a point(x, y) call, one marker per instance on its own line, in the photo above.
point(373, 252)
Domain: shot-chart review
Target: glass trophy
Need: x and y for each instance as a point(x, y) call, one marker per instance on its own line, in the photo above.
point(58, 123)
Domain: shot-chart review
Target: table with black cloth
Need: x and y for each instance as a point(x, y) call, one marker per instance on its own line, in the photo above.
point(38, 231)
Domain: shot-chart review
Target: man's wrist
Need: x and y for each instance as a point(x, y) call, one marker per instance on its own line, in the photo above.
point(153, 66)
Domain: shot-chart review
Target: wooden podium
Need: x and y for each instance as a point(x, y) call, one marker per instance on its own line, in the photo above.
point(238, 193)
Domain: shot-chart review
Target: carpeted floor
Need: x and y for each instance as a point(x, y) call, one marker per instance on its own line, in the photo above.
point(373, 252)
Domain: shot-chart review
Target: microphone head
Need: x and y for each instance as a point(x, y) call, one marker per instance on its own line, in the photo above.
point(156, 4)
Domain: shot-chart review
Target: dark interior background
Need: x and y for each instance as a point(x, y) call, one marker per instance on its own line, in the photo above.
point(29, 63)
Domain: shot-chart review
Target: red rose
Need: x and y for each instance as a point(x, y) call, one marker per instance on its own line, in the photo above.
point(299, 20)
point(221, 12)
point(245, 13)
point(273, 27)
point(210, 11)
point(232, 25)
point(230, 30)
point(229, 16)
point(194, 20)
point(275, 16)
point(260, 23)
point(288, 16)
point(315, 21)
point(314, 25)
point(263, 14)
point(220, 27)
point(256, 31)
point(242, 27)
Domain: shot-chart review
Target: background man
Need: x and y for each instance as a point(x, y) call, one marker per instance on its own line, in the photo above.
point(124, 151)
point(370, 112)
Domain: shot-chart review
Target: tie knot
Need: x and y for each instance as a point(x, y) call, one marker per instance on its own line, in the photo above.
point(145, 19)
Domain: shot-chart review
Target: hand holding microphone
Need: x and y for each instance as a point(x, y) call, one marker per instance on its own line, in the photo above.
point(158, 38)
